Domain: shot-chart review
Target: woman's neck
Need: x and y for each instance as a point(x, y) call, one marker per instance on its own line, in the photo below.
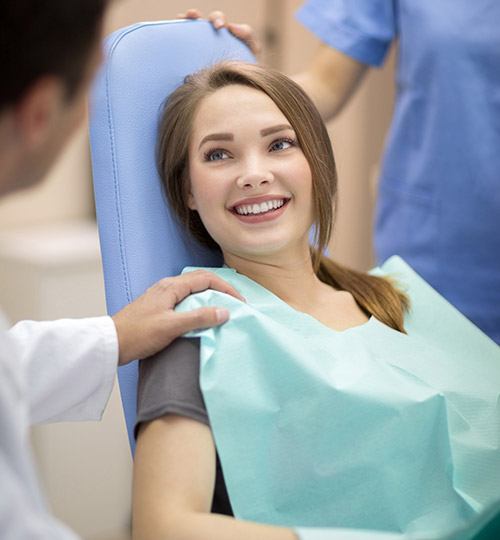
point(291, 278)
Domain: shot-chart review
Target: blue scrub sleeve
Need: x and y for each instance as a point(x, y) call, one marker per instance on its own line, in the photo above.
point(362, 29)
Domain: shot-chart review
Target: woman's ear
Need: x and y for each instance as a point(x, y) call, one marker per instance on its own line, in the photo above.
point(191, 202)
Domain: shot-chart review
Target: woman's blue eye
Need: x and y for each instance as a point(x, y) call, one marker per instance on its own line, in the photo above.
point(282, 144)
point(215, 155)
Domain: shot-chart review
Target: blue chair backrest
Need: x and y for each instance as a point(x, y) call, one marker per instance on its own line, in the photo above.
point(140, 240)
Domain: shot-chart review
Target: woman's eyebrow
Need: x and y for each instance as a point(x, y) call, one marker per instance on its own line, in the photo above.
point(216, 137)
point(275, 129)
point(230, 136)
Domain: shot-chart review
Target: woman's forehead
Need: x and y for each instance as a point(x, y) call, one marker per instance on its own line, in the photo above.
point(233, 105)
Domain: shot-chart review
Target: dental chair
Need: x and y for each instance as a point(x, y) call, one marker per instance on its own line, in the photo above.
point(140, 240)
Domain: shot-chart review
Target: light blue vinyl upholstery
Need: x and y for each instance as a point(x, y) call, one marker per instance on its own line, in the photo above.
point(140, 240)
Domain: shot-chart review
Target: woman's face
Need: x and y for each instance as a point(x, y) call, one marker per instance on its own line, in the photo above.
point(249, 180)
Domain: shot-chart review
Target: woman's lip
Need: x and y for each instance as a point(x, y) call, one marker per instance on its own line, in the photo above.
point(261, 218)
point(259, 200)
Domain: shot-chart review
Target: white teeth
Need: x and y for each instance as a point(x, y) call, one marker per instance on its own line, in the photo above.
point(245, 209)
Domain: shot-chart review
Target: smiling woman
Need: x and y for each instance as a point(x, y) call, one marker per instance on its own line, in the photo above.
point(233, 178)
point(277, 138)
point(323, 411)
point(233, 138)
point(248, 169)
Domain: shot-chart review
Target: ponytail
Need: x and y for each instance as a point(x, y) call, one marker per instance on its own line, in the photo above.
point(377, 296)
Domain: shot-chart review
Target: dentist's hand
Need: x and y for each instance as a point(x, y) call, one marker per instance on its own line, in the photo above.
point(242, 31)
point(149, 323)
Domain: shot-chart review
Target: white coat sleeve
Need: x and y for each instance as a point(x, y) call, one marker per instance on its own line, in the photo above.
point(67, 366)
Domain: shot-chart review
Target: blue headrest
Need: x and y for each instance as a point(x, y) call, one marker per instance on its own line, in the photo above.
point(140, 240)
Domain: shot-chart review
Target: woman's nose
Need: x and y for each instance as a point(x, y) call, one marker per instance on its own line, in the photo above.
point(254, 178)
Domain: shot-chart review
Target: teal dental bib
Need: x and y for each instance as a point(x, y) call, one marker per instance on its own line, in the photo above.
point(367, 428)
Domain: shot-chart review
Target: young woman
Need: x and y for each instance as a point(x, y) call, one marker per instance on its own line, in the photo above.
point(248, 169)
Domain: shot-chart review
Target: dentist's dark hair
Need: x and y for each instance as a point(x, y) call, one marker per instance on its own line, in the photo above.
point(40, 38)
point(376, 296)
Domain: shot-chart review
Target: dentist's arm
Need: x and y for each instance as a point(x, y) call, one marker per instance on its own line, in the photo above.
point(67, 367)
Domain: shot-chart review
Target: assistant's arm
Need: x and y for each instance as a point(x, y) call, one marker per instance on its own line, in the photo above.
point(331, 79)
point(174, 476)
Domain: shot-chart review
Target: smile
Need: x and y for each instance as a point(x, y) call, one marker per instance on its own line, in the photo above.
point(256, 209)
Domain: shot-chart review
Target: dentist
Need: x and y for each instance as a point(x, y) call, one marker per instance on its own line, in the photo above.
point(63, 370)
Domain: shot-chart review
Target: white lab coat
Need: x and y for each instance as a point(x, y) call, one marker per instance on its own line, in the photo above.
point(49, 372)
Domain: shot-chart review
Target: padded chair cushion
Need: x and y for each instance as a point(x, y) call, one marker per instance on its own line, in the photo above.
point(140, 240)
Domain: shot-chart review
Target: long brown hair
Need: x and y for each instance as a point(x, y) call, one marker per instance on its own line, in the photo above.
point(375, 295)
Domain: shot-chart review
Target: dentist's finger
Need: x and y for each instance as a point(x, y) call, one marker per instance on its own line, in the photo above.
point(191, 13)
point(247, 34)
point(197, 319)
point(218, 19)
point(175, 289)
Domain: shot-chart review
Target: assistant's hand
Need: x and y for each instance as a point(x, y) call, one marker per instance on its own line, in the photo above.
point(218, 19)
point(149, 323)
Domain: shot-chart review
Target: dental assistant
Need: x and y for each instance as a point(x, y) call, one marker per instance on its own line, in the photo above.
point(62, 370)
point(439, 195)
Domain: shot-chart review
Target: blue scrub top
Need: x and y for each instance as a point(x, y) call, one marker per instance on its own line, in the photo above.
point(439, 195)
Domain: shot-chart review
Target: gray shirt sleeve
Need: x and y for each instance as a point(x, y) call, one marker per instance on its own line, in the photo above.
point(169, 383)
